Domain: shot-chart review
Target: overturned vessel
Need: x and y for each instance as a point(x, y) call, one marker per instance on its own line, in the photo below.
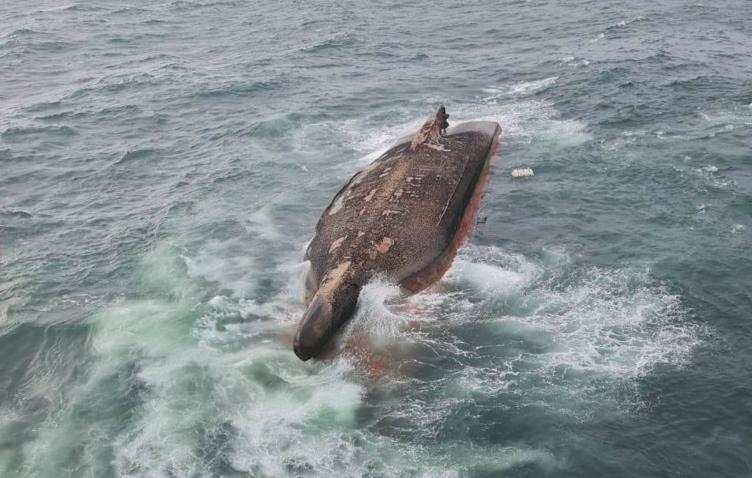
point(404, 217)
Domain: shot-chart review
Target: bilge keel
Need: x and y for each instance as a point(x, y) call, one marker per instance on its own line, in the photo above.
point(404, 217)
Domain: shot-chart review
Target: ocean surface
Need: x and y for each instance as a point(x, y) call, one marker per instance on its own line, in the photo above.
point(162, 167)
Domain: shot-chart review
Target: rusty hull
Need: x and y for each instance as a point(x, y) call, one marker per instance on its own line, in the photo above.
point(404, 217)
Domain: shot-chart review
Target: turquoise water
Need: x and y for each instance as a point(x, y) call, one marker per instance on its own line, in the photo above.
point(162, 169)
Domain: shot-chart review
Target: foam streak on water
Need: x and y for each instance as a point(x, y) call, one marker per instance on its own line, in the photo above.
point(162, 168)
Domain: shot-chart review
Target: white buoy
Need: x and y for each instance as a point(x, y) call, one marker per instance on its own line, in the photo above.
point(522, 173)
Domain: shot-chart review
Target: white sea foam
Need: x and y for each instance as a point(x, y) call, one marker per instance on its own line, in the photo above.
point(710, 175)
point(209, 263)
point(529, 87)
point(261, 224)
point(727, 118)
point(523, 88)
point(571, 60)
point(372, 137)
point(282, 428)
point(10, 421)
point(629, 21)
point(565, 133)
point(522, 119)
point(373, 317)
point(492, 272)
point(214, 375)
point(614, 323)
point(527, 121)
point(570, 328)
point(737, 228)
point(519, 120)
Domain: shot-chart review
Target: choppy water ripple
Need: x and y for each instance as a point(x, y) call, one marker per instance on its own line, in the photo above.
point(163, 166)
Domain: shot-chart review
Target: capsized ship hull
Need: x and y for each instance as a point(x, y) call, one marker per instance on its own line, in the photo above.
point(404, 216)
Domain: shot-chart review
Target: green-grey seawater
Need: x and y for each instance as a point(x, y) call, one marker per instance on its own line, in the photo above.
point(163, 165)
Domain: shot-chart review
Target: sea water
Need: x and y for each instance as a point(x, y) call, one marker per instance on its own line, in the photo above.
point(162, 168)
